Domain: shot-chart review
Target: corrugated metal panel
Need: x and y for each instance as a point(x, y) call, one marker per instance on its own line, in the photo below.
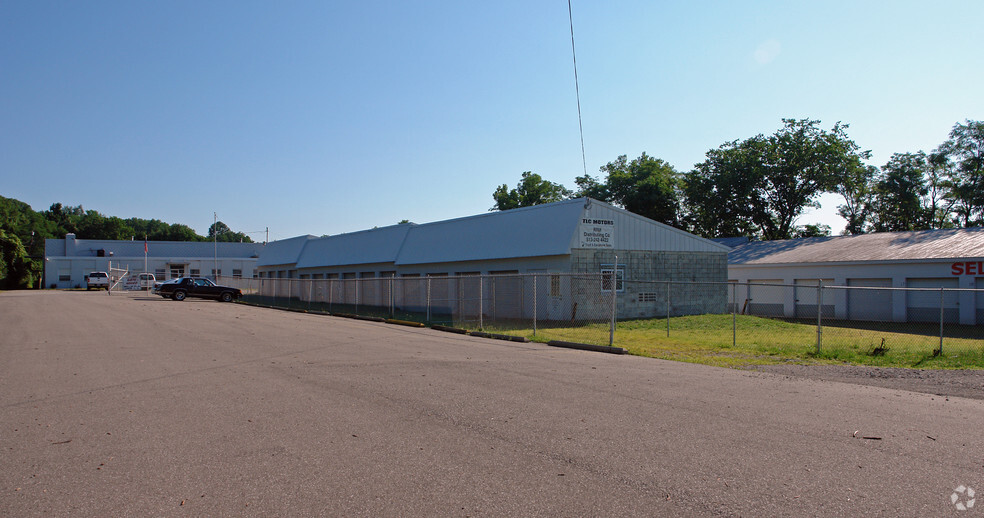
point(380, 245)
point(635, 232)
point(284, 251)
point(539, 231)
point(885, 246)
point(536, 231)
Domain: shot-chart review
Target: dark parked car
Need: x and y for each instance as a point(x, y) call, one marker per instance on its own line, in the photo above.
point(179, 289)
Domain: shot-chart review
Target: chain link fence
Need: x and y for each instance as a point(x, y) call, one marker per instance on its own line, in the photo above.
point(664, 318)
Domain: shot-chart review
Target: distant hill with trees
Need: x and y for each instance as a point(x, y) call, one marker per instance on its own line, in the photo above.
point(23, 231)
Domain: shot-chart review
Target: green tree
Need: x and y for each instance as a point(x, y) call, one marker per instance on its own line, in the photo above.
point(769, 181)
point(965, 147)
point(179, 232)
point(811, 230)
point(722, 197)
point(899, 192)
point(15, 265)
point(222, 233)
point(857, 186)
point(531, 190)
point(646, 186)
point(938, 201)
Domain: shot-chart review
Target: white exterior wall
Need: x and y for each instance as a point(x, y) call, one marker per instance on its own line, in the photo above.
point(633, 232)
point(902, 274)
point(75, 259)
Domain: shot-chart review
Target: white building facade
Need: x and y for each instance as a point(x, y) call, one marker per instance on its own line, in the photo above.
point(923, 261)
point(69, 260)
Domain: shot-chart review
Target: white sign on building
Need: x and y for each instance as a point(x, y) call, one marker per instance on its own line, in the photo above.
point(597, 233)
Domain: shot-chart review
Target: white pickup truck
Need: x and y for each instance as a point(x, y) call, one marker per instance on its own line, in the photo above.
point(97, 280)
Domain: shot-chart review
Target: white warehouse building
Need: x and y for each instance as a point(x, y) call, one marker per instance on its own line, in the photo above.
point(69, 260)
point(951, 258)
point(568, 237)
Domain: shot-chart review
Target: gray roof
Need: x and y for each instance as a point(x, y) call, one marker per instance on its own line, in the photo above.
point(730, 242)
point(379, 245)
point(962, 243)
point(134, 248)
point(541, 230)
point(284, 251)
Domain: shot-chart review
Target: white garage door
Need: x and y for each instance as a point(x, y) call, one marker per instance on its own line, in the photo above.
point(765, 297)
point(924, 306)
point(806, 298)
point(870, 304)
point(980, 301)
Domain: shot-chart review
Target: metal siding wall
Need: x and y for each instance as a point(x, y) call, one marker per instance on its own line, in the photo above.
point(634, 233)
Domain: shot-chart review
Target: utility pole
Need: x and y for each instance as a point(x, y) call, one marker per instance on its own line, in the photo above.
point(215, 245)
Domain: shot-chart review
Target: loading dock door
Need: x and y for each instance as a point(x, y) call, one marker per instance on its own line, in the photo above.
point(806, 299)
point(924, 306)
point(869, 304)
point(980, 301)
point(765, 297)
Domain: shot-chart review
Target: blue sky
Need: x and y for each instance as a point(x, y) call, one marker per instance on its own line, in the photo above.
point(327, 117)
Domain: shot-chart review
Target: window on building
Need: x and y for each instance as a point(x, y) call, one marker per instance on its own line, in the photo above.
point(237, 274)
point(613, 276)
point(195, 272)
point(159, 273)
point(647, 297)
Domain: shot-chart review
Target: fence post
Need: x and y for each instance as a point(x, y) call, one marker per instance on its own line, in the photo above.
point(392, 302)
point(614, 286)
point(940, 350)
point(819, 314)
point(734, 314)
point(481, 300)
point(428, 299)
point(667, 309)
point(534, 303)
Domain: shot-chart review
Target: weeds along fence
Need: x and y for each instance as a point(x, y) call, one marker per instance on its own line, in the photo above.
point(806, 318)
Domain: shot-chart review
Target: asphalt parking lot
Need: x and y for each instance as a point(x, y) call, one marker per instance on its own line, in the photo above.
point(139, 406)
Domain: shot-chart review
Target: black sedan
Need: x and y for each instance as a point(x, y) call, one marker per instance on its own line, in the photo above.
point(179, 289)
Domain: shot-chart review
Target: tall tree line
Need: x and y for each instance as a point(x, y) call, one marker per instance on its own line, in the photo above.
point(23, 231)
point(759, 186)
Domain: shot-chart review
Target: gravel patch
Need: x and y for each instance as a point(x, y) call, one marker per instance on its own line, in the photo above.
point(958, 383)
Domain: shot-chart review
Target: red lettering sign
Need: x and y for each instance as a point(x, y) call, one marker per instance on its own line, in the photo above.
point(967, 268)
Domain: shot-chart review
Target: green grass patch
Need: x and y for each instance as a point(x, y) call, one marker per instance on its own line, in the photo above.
point(711, 339)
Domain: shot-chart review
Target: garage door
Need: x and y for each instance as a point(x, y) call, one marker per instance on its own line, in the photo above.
point(505, 289)
point(980, 301)
point(765, 297)
point(870, 304)
point(924, 306)
point(806, 298)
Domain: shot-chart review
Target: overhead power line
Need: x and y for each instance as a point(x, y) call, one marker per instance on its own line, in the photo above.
point(577, 89)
